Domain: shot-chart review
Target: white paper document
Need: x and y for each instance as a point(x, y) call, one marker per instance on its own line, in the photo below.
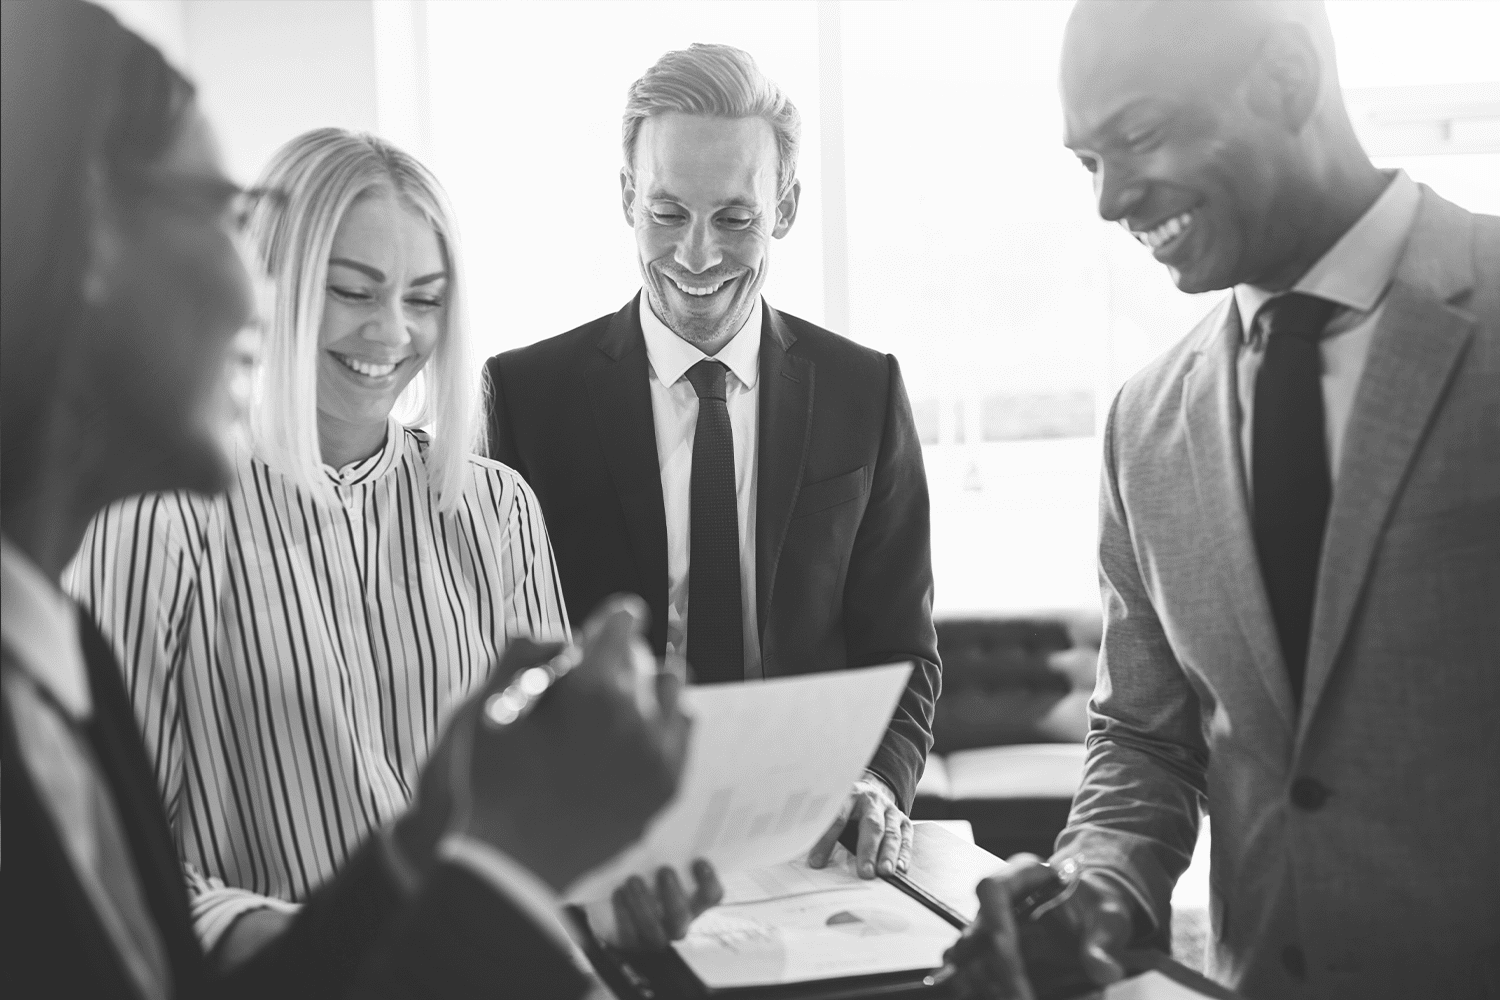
point(792, 923)
point(1151, 986)
point(768, 765)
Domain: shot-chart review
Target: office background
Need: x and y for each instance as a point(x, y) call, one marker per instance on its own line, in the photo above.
point(941, 218)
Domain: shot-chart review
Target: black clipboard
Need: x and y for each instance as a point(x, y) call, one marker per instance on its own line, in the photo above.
point(665, 976)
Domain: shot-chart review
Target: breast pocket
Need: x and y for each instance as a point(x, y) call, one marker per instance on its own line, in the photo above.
point(820, 496)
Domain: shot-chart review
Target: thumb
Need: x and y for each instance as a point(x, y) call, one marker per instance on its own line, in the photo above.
point(607, 642)
point(618, 610)
point(997, 919)
point(675, 727)
point(1105, 936)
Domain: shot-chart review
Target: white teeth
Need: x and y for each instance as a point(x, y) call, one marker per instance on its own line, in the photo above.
point(365, 367)
point(1166, 231)
point(706, 290)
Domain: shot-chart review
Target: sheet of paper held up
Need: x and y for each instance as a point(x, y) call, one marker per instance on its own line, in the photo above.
point(768, 765)
point(791, 923)
point(1151, 986)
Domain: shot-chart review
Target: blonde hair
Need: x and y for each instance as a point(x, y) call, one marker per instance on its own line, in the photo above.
point(318, 176)
point(719, 81)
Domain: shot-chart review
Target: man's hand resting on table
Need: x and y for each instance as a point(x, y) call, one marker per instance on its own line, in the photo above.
point(884, 830)
point(988, 959)
point(570, 785)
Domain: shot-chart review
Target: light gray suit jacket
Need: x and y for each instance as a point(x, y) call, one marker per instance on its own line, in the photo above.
point(1388, 885)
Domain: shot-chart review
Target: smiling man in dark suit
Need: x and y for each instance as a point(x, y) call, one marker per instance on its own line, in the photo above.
point(756, 478)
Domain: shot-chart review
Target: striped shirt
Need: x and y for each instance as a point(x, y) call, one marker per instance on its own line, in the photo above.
point(291, 662)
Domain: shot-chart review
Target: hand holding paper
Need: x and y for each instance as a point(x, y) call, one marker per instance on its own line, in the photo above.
point(768, 766)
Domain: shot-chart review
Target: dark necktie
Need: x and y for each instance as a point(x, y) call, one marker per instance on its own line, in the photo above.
point(1289, 468)
point(715, 628)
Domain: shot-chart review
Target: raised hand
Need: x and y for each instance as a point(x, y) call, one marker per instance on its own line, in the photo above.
point(572, 783)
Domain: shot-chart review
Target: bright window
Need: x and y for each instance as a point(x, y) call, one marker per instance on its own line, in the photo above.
point(967, 237)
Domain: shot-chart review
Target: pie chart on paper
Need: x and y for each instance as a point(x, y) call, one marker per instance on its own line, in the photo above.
point(867, 922)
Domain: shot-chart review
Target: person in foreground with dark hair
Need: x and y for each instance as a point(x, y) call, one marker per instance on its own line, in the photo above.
point(123, 294)
point(757, 479)
point(1299, 535)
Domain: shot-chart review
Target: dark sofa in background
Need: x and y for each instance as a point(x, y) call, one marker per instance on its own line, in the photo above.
point(1009, 726)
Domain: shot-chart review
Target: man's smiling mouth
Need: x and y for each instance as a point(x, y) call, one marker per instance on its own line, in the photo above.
point(701, 290)
point(1166, 232)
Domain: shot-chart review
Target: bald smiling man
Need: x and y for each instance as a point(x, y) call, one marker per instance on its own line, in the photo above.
point(1299, 536)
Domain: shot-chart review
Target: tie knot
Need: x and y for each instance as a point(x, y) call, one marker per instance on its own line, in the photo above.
point(1296, 314)
point(707, 377)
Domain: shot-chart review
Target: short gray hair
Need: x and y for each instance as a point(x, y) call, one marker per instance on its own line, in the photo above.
point(720, 81)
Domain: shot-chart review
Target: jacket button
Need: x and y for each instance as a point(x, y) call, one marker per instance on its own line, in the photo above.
point(1309, 793)
point(1294, 960)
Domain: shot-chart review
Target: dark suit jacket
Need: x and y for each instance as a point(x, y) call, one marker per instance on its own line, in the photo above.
point(356, 936)
point(843, 558)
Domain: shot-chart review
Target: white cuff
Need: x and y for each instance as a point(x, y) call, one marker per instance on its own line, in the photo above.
point(889, 787)
point(216, 910)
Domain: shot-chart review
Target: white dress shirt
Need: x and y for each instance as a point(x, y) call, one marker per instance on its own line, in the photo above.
point(1355, 273)
point(49, 702)
point(674, 410)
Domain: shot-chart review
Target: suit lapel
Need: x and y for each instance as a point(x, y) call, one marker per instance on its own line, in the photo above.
point(1413, 353)
point(786, 402)
point(620, 395)
point(1212, 418)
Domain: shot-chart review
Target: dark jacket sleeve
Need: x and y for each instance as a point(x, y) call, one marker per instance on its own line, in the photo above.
point(358, 936)
point(502, 442)
point(888, 592)
point(459, 938)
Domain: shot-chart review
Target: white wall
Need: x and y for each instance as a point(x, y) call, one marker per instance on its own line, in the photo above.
point(267, 69)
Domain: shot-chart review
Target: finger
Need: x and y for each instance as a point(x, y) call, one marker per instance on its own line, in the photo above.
point(673, 728)
point(674, 903)
point(818, 856)
point(668, 693)
point(646, 913)
point(871, 832)
point(998, 893)
point(607, 647)
point(710, 890)
point(1106, 932)
point(1022, 874)
point(890, 842)
point(903, 857)
point(1004, 967)
point(637, 616)
point(624, 922)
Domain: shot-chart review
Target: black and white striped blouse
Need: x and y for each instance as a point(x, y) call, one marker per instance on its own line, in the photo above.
point(291, 662)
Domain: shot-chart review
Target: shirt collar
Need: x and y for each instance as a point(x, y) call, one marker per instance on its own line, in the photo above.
point(40, 627)
point(376, 465)
point(671, 356)
point(1356, 270)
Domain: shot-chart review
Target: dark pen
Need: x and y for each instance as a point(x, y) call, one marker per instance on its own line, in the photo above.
point(1032, 906)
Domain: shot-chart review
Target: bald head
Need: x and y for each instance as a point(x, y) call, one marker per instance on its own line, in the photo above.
point(1186, 42)
point(1212, 128)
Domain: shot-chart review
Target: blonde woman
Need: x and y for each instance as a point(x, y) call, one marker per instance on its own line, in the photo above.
point(292, 648)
